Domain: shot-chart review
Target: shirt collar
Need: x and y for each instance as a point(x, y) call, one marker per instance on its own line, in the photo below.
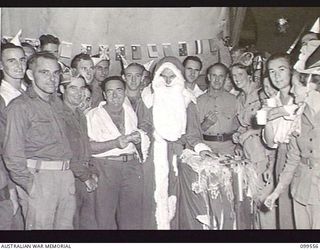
point(33, 94)
point(8, 92)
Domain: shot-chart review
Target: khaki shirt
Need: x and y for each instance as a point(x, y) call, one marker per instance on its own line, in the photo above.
point(224, 104)
point(304, 179)
point(35, 130)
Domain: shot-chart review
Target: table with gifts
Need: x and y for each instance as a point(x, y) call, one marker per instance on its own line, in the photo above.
point(227, 185)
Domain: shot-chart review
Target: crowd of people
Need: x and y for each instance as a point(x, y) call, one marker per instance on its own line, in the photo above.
point(81, 149)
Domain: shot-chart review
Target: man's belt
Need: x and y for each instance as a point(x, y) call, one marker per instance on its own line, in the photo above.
point(220, 138)
point(123, 158)
point(48, 165)
point(4, 193)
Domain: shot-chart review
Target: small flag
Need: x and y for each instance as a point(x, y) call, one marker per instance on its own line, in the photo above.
point(136, 52)
point(104, 51)
point(183, 50)
point(214, 47)
point(86, 48)
point(66, 49)
point(316, 26)
point(153, 50)
point(120, 50)
point(167, 50)
point(199, 47)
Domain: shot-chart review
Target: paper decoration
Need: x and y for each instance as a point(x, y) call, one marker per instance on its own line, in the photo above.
point(148, 65)
point(16, 40)
point(136, 52)
point(153, 50)
point(124, 62)
point(199, 47)
point(86, 48)
point(120, 50)
point(183, 50)
point(66, 49)
point(104, 51)
point(316, 26)
point(32, 41)
point(167, 50)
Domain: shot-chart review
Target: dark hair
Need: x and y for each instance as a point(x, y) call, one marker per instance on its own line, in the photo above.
point(192, 58)
point(123, 71)
point(303, 77)
point(46, 39)
point(218, 65)
point(112, 78)
point(77, 58)
point(88, 87)
point(241, 66)
point(5, 46)
point(278, 56)
point(43, 54)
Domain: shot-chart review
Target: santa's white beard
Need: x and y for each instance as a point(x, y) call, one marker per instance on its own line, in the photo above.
point(169, 110)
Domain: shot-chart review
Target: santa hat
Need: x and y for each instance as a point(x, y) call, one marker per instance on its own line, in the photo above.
point(316, 26)
point(16, 39)
point(170, 59)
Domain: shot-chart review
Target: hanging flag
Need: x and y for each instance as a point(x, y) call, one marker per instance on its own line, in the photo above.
point(66, 49)
point(104, 51)
point(153, 50)
point(199, 47)
point(86, 48)
point(316, 26)
point(167, 50)
point(214, 47)
point(183, 50)
point(120, 50)
point(136, 52)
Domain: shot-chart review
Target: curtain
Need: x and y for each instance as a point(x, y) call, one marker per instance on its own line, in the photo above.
point(237, 16)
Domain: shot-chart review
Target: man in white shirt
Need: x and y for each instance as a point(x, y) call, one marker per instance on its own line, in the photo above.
point(112, 129)
point(14, 63)
point(192, 67)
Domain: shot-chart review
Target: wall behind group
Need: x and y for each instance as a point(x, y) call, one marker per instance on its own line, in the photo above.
point(120, 26)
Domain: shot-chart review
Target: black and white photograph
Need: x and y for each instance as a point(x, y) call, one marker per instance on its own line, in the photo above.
point(168, 118)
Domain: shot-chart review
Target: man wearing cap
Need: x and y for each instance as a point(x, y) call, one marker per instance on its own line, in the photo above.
point(172, 124)
point(86, 181)
point(192, 67)
point(14, 63)
point(113, 133)
point(101, 65)
point(36, 149)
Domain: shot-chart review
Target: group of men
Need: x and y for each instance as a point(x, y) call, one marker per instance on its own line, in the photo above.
point(85, 150)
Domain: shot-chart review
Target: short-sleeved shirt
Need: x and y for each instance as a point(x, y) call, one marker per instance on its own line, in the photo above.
point(224, 104)
point(36, 130)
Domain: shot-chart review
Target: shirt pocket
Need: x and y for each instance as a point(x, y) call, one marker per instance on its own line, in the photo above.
point(42, 130)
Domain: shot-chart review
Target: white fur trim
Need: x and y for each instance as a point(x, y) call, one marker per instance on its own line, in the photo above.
point(172, 203)
point(200, 147)
point(175, 165)
point(145, 144)
point(161, 171)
